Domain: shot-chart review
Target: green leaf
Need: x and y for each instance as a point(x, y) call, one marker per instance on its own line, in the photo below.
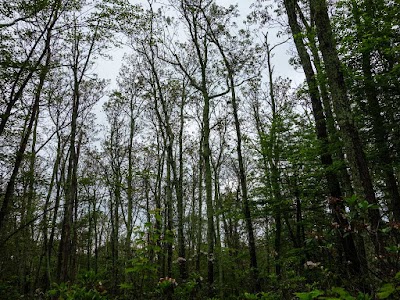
point(130, 270)
point(52, 292)
point(309, 295)
point(344, 295)
point(126, 286)
point(363, 204)
point(351, 200)
point(386, 290)
point(397, 276)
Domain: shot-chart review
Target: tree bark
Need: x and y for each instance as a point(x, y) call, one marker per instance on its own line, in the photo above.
point(7, 199)
point(336, 201)
point(385, 161)
point(341, 104)
point(242, 172)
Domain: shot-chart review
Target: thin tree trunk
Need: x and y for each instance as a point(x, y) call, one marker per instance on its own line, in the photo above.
point(47, 246)
point(179, 193)
point(273, 156)
point(208, 186)
point(199, 224)
point(168, 199)
point(242, 172)
point(7, 199)
point(129, 180)
point(17, 93)
point(157, 196)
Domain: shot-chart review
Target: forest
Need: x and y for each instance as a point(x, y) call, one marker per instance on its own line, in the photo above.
point(202, 171)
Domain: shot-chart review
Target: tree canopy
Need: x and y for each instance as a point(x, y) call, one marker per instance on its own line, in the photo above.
point(205, 171)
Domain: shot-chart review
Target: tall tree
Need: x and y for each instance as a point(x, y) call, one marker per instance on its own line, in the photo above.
point(345, 118)
point(336, 200)
point(84, 45)
point(192, 15)
point(364, 19)
point(46, 53)
point(231, 64)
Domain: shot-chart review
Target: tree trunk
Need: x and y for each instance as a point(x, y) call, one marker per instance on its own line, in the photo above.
point(66, 252)
point(344, 116)
point(179, 192)
point(9, 193)
point(242, 172)
point(336, 201)
point(385, 161)
point(199, 224)
point(208, 186)
point(129, 180)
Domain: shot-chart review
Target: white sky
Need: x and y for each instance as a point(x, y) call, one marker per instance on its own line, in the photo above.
point(108, 69)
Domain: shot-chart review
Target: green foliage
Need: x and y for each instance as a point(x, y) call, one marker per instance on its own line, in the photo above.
point(65, 291)
point(8, 290)
point(143, 269)
point(166, 287)
point(309, 295)
point(189, 289)
point(336, 293)
point(249, 296)
point(342, 293)
point(185, 290)
point(288, 182)
point(386, 291)
point(359, 208)
point(90, 279)
point(141, 265)
point(88, 287)
point(390, 290)
point(261, 296)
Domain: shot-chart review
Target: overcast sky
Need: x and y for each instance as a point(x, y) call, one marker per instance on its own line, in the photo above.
point(108, 69)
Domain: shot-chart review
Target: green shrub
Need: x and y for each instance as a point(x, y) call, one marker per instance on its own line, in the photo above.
point(87, 289)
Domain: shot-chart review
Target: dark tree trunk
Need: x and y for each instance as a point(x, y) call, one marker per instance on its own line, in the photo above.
point(344, 116)
point(336, 202)
point(385, 161)
point(46, 53)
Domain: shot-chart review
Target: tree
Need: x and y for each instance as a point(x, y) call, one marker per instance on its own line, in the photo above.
point(192, 14)
point(204, 162)
point(336, 200)
point(345, 118)
point(362, 20)
point(84, 45)
point(230, 60)
point(46, 53)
